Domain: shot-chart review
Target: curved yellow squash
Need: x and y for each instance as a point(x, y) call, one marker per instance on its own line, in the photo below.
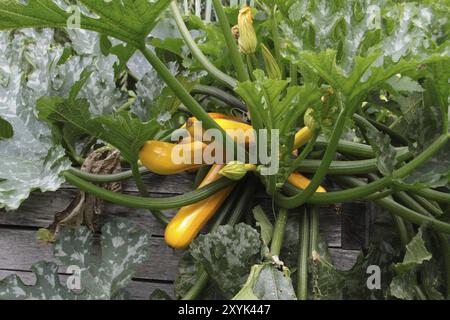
point(190, 220)
point(156, 156)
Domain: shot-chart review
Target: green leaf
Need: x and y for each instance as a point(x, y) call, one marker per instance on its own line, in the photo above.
point(385, 152)
point(126, 133)
point(121, 130)
point(188, 273)
point(123, 248)
point(29, 160)
point(6, 129)
point(129, 20)
point(404, 284)
point(355, 46)
point(264, 224)
point(273, 105)
point(266, 282)
point(227, 255)
point(404, 84)
point(435, 172)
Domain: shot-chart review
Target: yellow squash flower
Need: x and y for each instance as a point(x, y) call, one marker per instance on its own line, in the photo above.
point(247, 36)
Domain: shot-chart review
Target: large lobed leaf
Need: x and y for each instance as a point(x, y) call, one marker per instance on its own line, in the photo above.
point(127, 20)
point(356, 45)
point(123, 248)
point(227, 255)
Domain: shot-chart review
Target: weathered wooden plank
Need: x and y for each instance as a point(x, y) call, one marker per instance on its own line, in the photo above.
point(39, 209)
point(139, 290)
point(354, 225)
point(20, 250)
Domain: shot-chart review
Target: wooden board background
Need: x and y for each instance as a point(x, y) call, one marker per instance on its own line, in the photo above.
point(345, 230)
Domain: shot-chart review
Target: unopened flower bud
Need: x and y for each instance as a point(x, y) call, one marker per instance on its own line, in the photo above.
point(247, 34)
point(236, 170)
point(309, 120)
point(272, 68)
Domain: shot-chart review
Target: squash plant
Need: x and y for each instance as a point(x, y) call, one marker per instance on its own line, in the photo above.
point(357, 89)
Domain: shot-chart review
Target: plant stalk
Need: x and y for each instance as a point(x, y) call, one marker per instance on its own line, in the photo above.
point(278, 232)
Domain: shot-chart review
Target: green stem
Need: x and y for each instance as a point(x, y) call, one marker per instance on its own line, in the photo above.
point(254, 61)
point(368, 123)
point(352, 148)
point(230, 41)
point(196, 52)
point(138, 179)
point(180, 91)
point(149, 203)
point(201, 174)
point(303, 250)
point(198, 286)
point(223, 96)
point(351, 194)
point(276, 40)
point(293, 74)
point(379, 195)
point(432, 208)
point(105, 178)
point(305, 152)
point(406, 213)
point(434, 195)
point(244, 202)
point(143, 191)
point(302, 197)
point(401, 229)
point(421, 158)
point(314, 229)
point(250, 66)
point(346, 167)
point(278, 232)
point(126, 106)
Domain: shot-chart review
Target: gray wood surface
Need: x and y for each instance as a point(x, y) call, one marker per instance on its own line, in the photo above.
point(343, 228)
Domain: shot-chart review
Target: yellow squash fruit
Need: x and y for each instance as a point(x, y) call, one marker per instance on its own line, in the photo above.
point(239, 131)
point(302, 182)
point(190, 220)
point(157, 156)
